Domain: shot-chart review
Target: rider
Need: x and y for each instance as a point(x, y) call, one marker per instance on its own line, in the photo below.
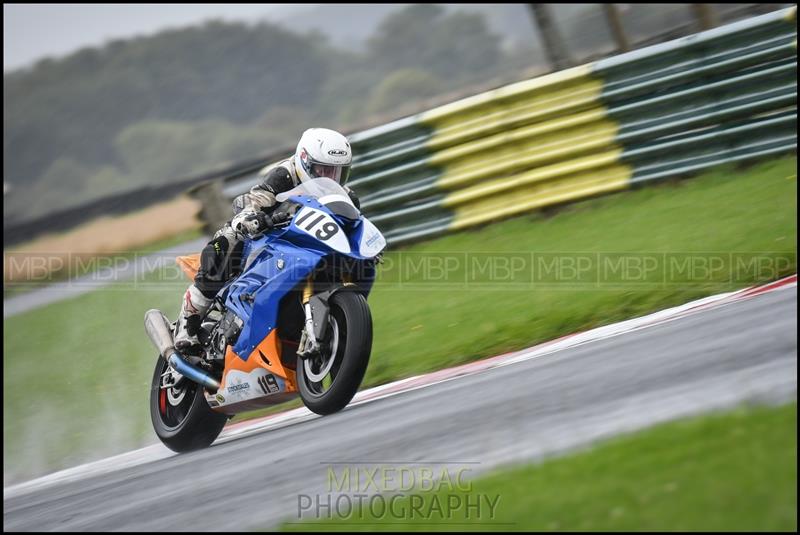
point(320, 153)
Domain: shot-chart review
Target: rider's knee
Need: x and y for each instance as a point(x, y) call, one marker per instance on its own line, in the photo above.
point(209, 288)
point(219, 261)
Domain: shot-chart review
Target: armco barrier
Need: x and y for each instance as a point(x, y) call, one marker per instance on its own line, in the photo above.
point(723, 95)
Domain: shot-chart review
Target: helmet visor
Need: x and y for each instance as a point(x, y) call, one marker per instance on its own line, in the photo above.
point(338, 173)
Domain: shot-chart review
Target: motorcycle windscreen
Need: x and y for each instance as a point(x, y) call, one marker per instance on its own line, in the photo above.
point(325, 191)
point(341, 206)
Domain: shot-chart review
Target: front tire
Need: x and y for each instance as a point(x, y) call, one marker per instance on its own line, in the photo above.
point(181, 417)
point(351, 324)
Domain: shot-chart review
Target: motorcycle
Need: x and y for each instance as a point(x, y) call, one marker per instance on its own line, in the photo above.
point(294, 322)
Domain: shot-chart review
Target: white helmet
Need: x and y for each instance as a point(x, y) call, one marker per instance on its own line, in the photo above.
point(323, 153)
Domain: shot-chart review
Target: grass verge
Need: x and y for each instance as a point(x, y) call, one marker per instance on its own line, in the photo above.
point(726, 472)
point(76, 373)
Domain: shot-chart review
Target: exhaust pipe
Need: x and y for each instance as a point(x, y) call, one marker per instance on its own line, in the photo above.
point(158, 329)
point(192, 372)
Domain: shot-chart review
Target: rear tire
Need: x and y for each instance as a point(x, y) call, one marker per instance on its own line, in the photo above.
point(188, 425)
point(351, 313)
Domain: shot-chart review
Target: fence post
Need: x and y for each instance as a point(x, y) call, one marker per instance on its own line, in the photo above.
point(615, 25)
point(554, 46)
point(704, 15)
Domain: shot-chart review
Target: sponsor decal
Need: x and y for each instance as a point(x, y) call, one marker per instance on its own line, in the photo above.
point(337, 152)
point(268, 384)
point(237, 388)
point(281, 263)
point(220, 398)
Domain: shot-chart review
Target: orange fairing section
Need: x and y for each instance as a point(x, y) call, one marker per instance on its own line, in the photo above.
point(270, 348)
point(189, 264)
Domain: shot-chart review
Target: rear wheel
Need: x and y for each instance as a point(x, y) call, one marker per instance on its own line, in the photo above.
point(328, 382)
point(180, 413)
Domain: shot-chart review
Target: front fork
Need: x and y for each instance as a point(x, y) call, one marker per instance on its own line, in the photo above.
point(309, 345)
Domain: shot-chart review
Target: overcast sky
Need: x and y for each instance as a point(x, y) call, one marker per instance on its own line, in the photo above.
point(33, 31)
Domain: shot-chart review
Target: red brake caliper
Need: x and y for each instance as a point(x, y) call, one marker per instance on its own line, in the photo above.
point(162, 401)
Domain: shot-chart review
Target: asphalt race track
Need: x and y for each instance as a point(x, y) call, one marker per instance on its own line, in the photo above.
point(709, 360)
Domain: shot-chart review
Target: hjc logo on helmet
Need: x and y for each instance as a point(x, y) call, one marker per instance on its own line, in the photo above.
point(337, 152)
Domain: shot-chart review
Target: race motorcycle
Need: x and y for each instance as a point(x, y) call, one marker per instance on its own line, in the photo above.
point(295, 321)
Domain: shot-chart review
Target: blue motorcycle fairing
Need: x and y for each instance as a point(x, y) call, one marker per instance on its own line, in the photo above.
point(256, 293)
point(282, 259)
point(354, 231)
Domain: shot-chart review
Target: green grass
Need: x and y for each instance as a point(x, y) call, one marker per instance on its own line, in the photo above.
point(76, 373)
point(425, 326)
point(726, 472)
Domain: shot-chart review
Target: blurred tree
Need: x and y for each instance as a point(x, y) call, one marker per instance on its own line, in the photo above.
point(456, 47)
point(151, 150)
point(107, 180)
point(341, 99)
point(65, 171)
point(156, 151)
point(285, 124)
point(401, 88)
point(66, 183)
point(78, 105)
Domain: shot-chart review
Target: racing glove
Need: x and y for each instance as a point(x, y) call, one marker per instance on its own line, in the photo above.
point(252, 223)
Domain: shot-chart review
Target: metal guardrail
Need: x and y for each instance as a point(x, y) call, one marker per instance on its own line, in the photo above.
point(724, 95)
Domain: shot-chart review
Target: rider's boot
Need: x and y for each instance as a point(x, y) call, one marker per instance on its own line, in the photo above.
point(193, 307)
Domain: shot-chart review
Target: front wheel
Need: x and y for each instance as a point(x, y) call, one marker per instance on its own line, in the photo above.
point(328, 382)
point(180, 413)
